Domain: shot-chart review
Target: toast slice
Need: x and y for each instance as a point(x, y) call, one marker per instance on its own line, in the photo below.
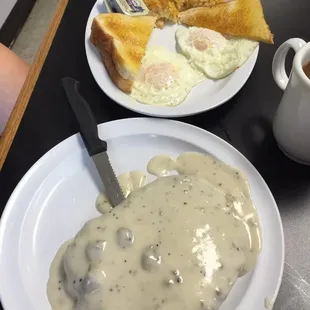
point(122, 41)
point(241, 18)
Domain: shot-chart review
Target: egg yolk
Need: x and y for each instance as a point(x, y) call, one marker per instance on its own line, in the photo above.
point(201, 39)
point(160, 75)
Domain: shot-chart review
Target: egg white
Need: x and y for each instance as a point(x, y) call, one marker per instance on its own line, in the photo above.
point(177, 75)
point(221, 57)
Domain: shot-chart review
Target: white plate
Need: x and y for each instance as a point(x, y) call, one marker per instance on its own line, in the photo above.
point(57, 196)
point(205, 96)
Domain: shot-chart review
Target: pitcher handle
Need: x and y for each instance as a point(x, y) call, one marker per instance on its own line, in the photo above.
point(278, 64)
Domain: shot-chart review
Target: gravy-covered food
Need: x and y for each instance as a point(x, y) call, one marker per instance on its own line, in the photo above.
point(180, 242)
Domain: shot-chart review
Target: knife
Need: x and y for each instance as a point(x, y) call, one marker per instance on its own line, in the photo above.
point(97, 148)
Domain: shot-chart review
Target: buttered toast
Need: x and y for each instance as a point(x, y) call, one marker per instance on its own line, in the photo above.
point(122, 41)
point(241, 18)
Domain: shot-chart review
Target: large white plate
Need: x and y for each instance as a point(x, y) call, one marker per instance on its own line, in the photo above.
point(57, 196)
point(205, 96)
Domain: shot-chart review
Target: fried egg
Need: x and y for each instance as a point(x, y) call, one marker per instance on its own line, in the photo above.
point(165, 78)
point(212, 53)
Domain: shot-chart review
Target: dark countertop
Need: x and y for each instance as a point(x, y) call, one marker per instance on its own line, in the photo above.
point(245, 122)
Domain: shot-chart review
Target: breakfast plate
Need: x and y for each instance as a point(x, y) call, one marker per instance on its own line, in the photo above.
point(57, 196)
point(203, 97)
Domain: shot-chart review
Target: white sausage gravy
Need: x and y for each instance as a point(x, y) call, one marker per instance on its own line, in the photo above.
point(180, 242)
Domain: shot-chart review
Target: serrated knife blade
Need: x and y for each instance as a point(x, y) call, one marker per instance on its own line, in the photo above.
point(96, 147)
point(108, 177)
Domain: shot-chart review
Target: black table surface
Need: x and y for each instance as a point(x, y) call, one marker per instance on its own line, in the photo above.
point(245, 122)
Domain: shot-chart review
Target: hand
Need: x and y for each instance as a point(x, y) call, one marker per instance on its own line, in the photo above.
point(13, 72)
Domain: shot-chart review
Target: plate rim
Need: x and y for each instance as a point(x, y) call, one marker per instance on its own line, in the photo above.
point(10, 203)
point(159, 111)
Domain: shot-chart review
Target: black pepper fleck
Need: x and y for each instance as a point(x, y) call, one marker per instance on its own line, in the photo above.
point(81, 279)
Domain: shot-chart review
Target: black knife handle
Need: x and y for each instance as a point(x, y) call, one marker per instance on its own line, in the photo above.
point(84, 116)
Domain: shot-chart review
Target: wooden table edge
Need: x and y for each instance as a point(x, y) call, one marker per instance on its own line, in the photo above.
point(24, 96)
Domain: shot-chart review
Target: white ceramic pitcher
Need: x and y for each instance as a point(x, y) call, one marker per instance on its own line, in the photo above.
point(291, 125)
